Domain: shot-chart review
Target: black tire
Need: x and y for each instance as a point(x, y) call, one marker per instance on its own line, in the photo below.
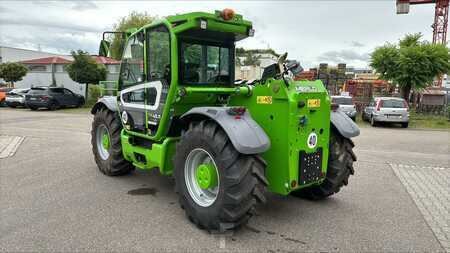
point(80, 103)
point(405, 125)
point(53, 105)
point(115, 164)
point(33, 108)
point(373, 122)
point(242, 179)
point(12, 106)
point(340, 167)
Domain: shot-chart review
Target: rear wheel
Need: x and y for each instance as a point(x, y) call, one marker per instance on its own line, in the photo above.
point(218, 187)
point(372, 121)
point(106, 145)
point(340, 167)
point(33, 108)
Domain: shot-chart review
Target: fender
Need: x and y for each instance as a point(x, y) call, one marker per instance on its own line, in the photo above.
point(245, 134)
point(344, 124)
point(108, 102)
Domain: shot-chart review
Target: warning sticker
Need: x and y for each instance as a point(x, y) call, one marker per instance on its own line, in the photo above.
point(313, 103)
point(264, 100)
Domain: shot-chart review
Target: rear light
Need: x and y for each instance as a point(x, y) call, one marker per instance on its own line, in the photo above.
point(227, 14)
point(379, 104)
point(45, 98)
point(334, 107)
point(236, 111)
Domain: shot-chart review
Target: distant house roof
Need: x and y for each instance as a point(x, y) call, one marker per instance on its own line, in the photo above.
point(47, 60)
point(105, 60)
point(60, 60)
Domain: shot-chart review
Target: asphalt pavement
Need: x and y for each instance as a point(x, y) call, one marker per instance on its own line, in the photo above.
point(53, 198)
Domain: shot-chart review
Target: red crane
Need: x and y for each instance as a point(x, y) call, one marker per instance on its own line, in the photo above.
point(440, 18)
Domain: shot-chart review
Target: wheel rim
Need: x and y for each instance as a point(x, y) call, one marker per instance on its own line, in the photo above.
point(103, 141)
point(201, 177)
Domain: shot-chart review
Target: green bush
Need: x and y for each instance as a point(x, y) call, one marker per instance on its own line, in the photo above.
point(94, 94)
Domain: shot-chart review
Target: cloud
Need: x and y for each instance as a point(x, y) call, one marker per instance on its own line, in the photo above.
point(48, 23)
point(84, 5)
point(44, 3)
point(61, 43)
point(3, 9)
point(344, 55)
point(356, 44)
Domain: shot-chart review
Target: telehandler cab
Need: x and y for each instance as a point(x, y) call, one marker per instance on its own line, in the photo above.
point(179, 109)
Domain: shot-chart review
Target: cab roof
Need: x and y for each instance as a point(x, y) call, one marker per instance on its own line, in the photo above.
point(204, 25)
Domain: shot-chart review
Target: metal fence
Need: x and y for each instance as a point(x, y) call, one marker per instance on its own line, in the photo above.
point(108, 88)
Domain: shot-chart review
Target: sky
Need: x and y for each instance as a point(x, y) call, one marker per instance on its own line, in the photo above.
point(310, 31)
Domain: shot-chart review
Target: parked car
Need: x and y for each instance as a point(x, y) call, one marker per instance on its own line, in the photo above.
point(52, 98)
point(345, 105)
point(387, 109)
point(16, 97)
point(3, 92)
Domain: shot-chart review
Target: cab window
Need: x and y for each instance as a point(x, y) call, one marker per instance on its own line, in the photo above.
point(132, 68)
point(204, 63)
point(159, 54)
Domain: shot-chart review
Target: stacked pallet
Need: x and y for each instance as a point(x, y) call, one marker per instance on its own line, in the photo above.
point(322, 73)
point(362, 91)
point(309, 75)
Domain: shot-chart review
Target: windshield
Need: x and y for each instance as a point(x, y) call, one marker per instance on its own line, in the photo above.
point(342, 100)
point(205, 64)
point(393, 103)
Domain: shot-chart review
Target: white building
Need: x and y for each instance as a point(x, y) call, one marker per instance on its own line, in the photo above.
point(46, 67)
point(254, 71)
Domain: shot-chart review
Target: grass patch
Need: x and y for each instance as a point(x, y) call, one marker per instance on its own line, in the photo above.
point(419, 120)
point(80, 110)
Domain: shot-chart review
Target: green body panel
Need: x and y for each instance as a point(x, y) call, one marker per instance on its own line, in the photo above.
point(159, 155)
point(280, 120)
point(286, 124)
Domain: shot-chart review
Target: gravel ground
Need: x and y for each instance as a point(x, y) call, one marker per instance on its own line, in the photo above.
point(53, 198)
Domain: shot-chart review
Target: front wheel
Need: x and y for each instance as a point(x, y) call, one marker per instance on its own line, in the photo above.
point(53, 105)
point(80, 102)
point(405, 124)
point(218, 187)
point(106, 145)
point(340, 167)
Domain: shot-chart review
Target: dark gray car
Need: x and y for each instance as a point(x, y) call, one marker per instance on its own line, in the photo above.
point(387, 109)
point(52, 98)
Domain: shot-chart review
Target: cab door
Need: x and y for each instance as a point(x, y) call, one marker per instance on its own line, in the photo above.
point(132, 85)
point(159, 75)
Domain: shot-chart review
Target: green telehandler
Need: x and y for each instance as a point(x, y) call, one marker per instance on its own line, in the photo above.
point(178, 108)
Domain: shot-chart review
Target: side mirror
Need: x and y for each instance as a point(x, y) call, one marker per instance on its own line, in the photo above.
point(104, 48)
point(281, 61)
point(294, 67)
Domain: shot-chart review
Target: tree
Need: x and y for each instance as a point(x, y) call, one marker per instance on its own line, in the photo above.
point(252, 59)
point(133, 20)
point(85, 70)
point(12, 72)
point(412, 64)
